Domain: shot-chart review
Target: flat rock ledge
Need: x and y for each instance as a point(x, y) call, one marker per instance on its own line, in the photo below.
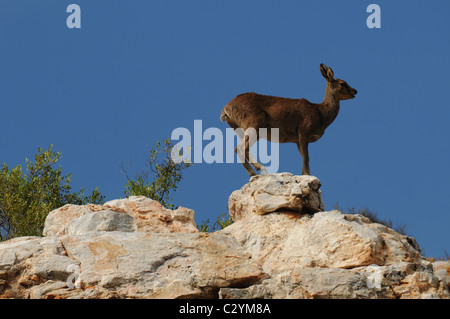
point(282, 244)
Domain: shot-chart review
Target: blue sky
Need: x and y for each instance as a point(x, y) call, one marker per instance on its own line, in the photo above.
point(137, 70)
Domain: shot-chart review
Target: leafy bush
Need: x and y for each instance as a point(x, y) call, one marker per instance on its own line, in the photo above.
point(167, 175)
point(27, 197)
point(222, 221)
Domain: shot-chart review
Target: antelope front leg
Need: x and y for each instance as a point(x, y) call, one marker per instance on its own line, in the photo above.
point(243, 152)
point(303, 148)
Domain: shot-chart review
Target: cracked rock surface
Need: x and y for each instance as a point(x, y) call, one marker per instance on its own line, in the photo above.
point(282, 244)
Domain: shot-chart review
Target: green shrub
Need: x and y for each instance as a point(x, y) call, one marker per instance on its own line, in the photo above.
point(167, 175)
point(27, 197)
point(222, 221)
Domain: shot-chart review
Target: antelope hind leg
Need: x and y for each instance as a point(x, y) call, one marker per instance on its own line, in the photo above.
point(243, 157)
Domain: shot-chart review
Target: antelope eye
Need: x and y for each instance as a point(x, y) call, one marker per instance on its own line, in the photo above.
point(343, 84)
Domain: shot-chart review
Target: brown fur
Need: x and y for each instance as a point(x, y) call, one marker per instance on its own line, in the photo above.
point(298, 120)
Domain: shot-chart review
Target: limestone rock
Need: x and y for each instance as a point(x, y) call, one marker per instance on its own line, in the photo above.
point(145, 214)
point(274, 192)
point(332, 255)
point(442, 270)
point(57, 220)
point(121, 264)
point(281, 245)
point(403, 280)
point(150, 265)
point(128, 248)
point(31, 261)
point(151, 216)
point(325, 239)
point(105, 220)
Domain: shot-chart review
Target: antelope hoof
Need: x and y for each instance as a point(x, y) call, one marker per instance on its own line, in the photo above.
point(264, 171)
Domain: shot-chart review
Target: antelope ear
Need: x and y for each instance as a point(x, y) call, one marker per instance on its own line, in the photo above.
point(330, 74)
point(324, 70)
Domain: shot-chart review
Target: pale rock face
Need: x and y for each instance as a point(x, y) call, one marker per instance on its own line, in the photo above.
point(276, 248)
point(151, 216)
point(105, 220)
point(130, 214)
point(273, 192)
point(332, 255)
point(442, 270)
point(29, 261)
point(127, 248)
point(57, 220)
point(325, 239)
point(150, 265)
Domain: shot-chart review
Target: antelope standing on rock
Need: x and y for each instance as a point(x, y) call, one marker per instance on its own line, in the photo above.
point(298, 120)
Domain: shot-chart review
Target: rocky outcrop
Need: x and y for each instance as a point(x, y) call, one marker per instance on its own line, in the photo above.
point(281, 245)
point(136, 213)
point(332, 255)
point(276, 192)
point(128, 248)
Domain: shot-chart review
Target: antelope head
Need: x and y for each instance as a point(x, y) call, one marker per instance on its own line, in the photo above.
point(337, 87)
